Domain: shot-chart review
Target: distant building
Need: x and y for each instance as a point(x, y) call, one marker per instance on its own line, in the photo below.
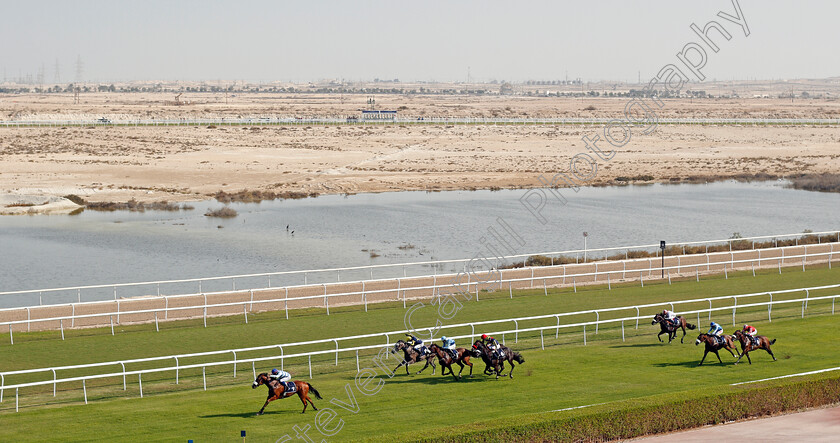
point(379, 115)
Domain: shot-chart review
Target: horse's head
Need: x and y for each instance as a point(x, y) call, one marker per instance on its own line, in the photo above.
point(398, 346)
point(518, 357)
point(261, 379)
point(656, 319)
point(700, 339)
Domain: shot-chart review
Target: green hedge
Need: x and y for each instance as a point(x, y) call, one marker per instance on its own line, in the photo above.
point(667, 416)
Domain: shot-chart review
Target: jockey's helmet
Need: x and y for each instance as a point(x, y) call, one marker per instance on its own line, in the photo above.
point(275, 371)
point(484, 336)
point(443, 338)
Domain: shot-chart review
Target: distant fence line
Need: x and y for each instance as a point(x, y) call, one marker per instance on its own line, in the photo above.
point(344, 120)
point(502, 332)
point(391, 271)
point(243, 307)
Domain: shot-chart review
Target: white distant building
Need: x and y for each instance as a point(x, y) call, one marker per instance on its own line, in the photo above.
point(379, 115)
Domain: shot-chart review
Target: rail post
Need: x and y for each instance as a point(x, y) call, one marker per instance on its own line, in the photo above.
point(734, 308)
point(204, 377)
point(245, 312)
point(357, 360)
point(336, 352)
point(252, 301)
point(55, 382)
point(770, 306)
point(542, 342)
point(557, 332)
point(510, 289)
point(597, 320)
point(11, 337)
point(697, 273)
point(140, 383)
point(165, 307)
point(326, 302)
point(641, 279)
point(178, 371)
point(806, 298)
point(637, 316)
point(364, 296)
point(286, 304)
point(622, 330)
point(60, 324)
point(84, 389)
point(254, 369)
point(157, 329)
point(574, 282)
point(584, 335)
point(310, 366)
point(545, 288)
point(73, 316)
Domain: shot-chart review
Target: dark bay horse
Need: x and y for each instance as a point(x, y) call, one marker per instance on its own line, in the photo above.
point(747, 345)
point(446, 359)
point(497, 364)
point(276, 390)
point(712, 345)
point(411, 355)
point(671, 328)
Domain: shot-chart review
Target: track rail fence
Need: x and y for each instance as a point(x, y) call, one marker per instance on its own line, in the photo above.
point(515, 332)
point(263, 281)
point(167, 308)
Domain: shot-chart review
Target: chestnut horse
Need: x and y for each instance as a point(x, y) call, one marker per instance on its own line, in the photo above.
point(411, 355)
point(446, 359)
point(712, 345)
point(747, 345)
point(277, 390)
point(671, 328)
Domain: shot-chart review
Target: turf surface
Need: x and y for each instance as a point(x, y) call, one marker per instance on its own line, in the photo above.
point(565, 374)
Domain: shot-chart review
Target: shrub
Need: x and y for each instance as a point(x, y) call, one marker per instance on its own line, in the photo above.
point(224, 212)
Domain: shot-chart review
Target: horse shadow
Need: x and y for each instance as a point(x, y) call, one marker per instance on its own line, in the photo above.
point(438, 380)
point(243, 414)
point(641, 345)
point(694, 363)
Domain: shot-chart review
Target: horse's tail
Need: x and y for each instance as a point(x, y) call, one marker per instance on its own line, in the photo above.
point(773, 341)
point(690, 326)
point(314, 391)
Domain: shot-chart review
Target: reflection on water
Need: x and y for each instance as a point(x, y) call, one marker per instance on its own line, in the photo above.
point(331, 231)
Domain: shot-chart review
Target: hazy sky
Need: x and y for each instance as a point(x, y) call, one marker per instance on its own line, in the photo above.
point(420, 40)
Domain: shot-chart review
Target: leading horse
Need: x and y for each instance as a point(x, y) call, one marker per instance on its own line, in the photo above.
point(671, 328)
point(276, 390)
point(411, 355)
point(497, 364)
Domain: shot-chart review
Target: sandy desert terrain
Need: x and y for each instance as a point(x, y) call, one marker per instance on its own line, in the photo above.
point(190, 163)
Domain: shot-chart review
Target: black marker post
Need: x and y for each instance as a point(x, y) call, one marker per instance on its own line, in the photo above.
point(662, 247)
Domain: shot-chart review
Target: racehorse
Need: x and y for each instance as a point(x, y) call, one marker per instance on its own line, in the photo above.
point(412, 356)
point(747, 345)
point(669, 327)
point(446, 359)
point(712, 345)
point(276, 390)
point(497, 364)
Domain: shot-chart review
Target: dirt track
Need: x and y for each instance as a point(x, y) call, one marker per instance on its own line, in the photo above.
point(820, 425)
point(406, 289)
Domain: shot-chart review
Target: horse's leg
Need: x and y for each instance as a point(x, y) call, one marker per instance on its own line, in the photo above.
point(658, 335)
point(467, 361)
point(770, 352)
point(303, 400)
point(730, 351)
point(462, 368)
point(683, 337)
point(718, 356)
point(748, 357)
point(263, 407)
point(704, 357)
point(456, 377)
point(510, 374)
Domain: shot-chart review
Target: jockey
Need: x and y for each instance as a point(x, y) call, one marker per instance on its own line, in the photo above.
point(281, 376)
point(670, 316)
point(449, 344)
point(715, 330)
point(750, 331)
point(491, 343)
point(417, 344)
